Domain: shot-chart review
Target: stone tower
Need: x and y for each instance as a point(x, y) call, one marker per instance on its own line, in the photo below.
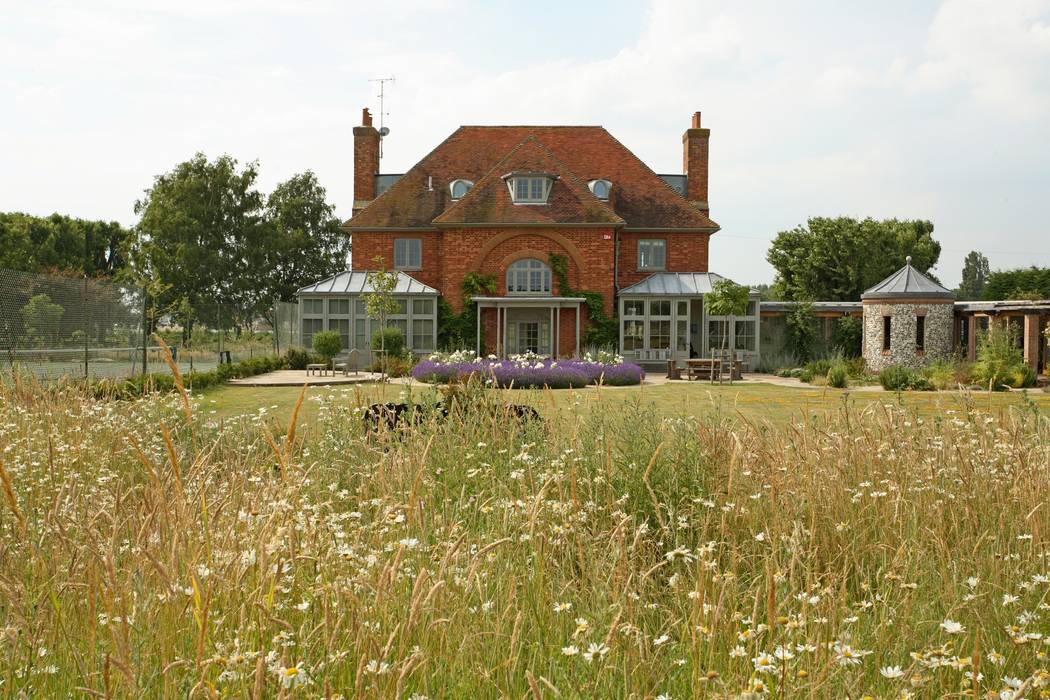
point(908, 320)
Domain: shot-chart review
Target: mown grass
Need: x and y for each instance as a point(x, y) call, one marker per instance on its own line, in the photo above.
point(752, 401)
point(621, 549)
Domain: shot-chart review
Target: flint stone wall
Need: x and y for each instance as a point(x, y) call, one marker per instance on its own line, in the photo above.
point(939, 336)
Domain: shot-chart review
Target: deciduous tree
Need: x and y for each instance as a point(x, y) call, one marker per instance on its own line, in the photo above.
point(837, 259)
point(974, 276)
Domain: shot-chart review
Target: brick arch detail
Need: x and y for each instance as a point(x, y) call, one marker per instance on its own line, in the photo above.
point(569, 247)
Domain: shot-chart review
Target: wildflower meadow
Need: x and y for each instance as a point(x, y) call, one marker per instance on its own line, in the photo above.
point(151, 550)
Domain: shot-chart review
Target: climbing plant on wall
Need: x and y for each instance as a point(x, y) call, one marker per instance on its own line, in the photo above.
point(460, 330)
point(601, 330)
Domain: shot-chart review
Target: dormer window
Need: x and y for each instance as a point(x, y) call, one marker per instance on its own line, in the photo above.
point(460, 188)
point(529, 188)
point(600, 189)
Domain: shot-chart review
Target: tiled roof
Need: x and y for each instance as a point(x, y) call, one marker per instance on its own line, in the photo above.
point(489, 201)
point(639, 196)
point(907, 282)
point(674, 284)
point(356, 282)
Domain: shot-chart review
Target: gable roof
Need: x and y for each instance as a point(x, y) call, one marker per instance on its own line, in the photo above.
point(907, 282)
point(639, 196)
point(356, 282)
point(490, 202)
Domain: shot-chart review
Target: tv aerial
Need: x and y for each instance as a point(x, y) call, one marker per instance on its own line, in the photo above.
point(383, 130)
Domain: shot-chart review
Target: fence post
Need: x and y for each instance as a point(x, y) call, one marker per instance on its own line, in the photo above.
point(87, 328)
point(145, 331)
point(276, 328)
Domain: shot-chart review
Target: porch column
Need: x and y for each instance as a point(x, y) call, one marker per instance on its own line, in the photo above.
point(478, 345)
point(1031, 341)
point(553, 336)
point(577, 329)
point(971, 338)
point(504, 334)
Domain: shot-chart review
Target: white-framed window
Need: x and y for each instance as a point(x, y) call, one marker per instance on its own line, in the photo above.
point(529, 189)
point(408, 253)
point(459, 188)
point(652, 254)
point(633, 334)
point(339, 307)
point(529, 276)
point(313, 307)
point(660, 324)
point(422, 334)
point(342, 327)
point(600, 188)
point(633, 307)
point(311, 326)
point(744, 335)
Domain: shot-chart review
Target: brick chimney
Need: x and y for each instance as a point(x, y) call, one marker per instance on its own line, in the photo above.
point(694, 163)
point(366, 161)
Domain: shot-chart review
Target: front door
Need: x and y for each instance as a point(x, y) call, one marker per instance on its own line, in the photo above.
point(529, 337)
point(529, 334)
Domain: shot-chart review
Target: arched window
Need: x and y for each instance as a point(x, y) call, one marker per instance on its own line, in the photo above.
point(529, 276)
point(600, 188)
point(460, 188)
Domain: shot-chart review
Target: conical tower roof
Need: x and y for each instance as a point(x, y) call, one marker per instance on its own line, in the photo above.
point(907, 283)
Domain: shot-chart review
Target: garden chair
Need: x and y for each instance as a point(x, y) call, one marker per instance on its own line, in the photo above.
point(346, 361)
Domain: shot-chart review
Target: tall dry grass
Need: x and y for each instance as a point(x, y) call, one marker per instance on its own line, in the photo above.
point(148, 551)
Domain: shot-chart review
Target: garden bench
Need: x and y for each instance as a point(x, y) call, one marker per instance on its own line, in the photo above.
point(318, 368)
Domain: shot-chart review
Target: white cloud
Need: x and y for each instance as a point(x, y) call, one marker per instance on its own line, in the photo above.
point(999, 51)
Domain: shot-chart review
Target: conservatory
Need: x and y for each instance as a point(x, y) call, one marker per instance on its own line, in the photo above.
point(664, 317)
point(338, 304)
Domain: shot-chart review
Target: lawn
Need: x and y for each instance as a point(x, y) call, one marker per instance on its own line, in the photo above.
point(746, 402)
point(653, 542)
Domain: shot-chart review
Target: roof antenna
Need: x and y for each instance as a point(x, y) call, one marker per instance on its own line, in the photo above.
point(383, 131)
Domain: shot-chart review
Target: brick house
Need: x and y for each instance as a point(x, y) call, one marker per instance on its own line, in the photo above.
point(546, 213)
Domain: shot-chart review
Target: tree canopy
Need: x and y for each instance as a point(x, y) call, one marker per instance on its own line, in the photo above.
point(836, 259)
point(1025, 283)
point(974, 276)
point(62, 244)
point(220, 252)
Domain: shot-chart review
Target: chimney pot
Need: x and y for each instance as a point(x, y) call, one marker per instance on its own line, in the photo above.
point(366, 117)
point(696, 120)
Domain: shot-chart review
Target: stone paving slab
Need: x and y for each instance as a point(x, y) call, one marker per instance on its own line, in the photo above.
point(298, 377)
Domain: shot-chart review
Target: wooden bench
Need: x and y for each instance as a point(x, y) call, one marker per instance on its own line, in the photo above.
point(318, 368)
point(708, 367)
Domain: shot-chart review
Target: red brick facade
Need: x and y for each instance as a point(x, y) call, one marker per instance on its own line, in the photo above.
point(486, 230)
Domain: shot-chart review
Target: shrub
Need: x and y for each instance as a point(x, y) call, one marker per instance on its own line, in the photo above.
point(399, 366)
point(327, 344)
point(999, 360)
point(817, 368)
point(900, 378)
point(137, 386)
point(390, 339)
point(895, 378)
point(838, 375)
point(942, 374)
point(297, 358)
point(847, 336)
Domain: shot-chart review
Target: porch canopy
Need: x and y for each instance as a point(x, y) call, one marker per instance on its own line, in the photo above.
point(528, 323)
point(664, 317)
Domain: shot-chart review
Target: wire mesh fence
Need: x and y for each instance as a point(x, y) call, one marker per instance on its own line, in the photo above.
point(55, 326)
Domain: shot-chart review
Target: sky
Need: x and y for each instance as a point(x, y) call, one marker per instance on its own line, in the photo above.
point(900, 108)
